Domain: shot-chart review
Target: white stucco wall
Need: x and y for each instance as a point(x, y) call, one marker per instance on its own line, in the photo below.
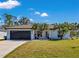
point(44, 34)
point(32, 34)
point(8, 32)
point(53, 34)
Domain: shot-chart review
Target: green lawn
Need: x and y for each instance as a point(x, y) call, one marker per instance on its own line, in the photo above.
point(47, 49)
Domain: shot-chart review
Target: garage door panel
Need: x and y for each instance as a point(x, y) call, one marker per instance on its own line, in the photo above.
point(20, 35)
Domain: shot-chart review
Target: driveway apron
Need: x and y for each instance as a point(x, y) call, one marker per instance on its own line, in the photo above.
point(9, 45)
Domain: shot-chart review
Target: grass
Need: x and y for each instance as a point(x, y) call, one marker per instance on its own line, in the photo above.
point(47, 49)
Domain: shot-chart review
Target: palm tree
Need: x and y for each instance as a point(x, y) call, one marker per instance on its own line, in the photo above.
point(63, 29)
point(35, 28)
point(43, 28)
point(60, 34)
point(8, 19)
point(39, 28)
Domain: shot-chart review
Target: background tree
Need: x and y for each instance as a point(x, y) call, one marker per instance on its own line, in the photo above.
point(24, 21)
point(8, 20)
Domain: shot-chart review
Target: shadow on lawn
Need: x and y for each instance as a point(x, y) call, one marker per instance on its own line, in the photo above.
point(55, 39)
point(73, 47)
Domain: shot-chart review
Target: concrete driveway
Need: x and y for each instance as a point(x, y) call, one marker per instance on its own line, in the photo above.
point(8, 45)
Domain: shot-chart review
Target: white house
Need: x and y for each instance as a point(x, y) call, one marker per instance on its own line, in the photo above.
point(26, 32)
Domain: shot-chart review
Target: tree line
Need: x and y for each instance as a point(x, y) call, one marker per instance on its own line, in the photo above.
point(10, 20)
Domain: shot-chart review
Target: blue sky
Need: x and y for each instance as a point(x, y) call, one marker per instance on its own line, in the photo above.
point(50, 11)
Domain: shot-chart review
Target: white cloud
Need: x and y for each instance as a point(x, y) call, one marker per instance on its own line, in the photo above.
point(31, 19)
point(41, 14)
point(9, 4)
point(37, 13)
point(44, 15)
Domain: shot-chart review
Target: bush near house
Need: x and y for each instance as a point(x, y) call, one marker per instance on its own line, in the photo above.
point(73, 34)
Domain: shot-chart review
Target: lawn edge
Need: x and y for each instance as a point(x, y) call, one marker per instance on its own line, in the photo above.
point(15, 49)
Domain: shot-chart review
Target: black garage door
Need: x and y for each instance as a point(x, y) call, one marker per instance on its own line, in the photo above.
point(21, 35)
